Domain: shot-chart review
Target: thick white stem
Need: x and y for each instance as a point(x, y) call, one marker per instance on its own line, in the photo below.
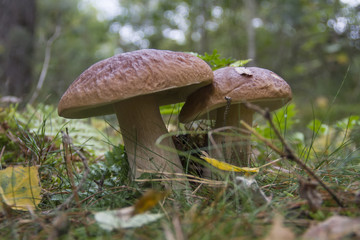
point(246, 115)
point(141, 125)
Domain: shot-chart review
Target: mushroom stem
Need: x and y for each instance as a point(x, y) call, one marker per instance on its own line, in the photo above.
point(246, 115)
point(234, 149)
point(141, 125)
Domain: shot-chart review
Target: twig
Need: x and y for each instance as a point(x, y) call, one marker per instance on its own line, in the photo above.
point(267, 142)
point(68, 159)
point(1, 154)
point(81, 183)
point(184, 176)
point(287, 152)
point(217, 183)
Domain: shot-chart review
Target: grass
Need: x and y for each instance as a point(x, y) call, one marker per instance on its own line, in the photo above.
point(224, 212)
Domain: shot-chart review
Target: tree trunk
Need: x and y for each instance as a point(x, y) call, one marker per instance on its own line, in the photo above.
point(17, 24)
point(250, 10)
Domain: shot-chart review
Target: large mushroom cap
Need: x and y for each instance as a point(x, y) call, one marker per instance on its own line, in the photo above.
point(172, 76)
point(257, 85)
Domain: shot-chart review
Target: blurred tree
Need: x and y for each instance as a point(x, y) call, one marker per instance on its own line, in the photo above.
point(83, 40)
point(17, 25)
point(310, 43)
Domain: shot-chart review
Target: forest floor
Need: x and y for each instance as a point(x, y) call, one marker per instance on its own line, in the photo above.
point(68, 180)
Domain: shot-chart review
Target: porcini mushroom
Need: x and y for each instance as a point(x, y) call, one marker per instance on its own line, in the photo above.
point(133, 85)
point(234, 85)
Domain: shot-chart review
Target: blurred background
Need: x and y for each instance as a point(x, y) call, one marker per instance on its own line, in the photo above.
point(312, 44)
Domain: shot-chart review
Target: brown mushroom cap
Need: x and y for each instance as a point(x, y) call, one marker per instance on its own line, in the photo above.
point(171, 76)
point(257, 85)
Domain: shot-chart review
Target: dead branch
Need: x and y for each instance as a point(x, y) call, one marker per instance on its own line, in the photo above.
point(1, 154)
point(75, 190)
point(287, 153)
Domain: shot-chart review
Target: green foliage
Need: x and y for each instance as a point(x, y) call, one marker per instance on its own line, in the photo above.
point(286, 117)
point(44, 120)
point(34, 137)
point(116, 161)
point(107, 186)
point(6, 116)
point(105, 176)
point(318, 127)
point(285, 120)
point(348, 123)
point(216, 61)
point(171, 109)
point(324, 146)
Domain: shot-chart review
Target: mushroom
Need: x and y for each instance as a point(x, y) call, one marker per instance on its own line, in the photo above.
point(231, 87)
point(133, 85)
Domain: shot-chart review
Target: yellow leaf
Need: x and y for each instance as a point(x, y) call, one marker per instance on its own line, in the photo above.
point(19, 187)
point(149, 200)
point(228, 167)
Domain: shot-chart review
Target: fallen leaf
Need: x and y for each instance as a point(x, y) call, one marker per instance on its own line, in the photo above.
point(19, 187)
point(307, 191)
point(228, 167)
point(335, 227)
point(243, 71)
point(117, 219)
point(133, 216)
point(252, 189)
point(149, 200)
point(279, 231)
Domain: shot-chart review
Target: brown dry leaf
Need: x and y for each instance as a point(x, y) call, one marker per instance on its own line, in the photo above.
point(336, 227)
point(19, 187)
point(307, 191)
point(279, 231)
point(243, 71)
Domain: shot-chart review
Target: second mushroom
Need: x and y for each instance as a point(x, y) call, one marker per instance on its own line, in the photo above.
point(223, 100)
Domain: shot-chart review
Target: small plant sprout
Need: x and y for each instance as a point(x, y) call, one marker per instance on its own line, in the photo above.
point(133, 85)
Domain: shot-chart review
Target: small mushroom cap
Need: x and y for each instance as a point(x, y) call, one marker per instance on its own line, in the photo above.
point(171, 76)
point(257, 85)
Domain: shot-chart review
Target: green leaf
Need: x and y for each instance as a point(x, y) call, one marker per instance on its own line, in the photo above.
point(171, 109)
point(348, 123)
point(116, 163)
point(216, 61)
point(240, 63)
point(318, 127)
point(285, 116)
